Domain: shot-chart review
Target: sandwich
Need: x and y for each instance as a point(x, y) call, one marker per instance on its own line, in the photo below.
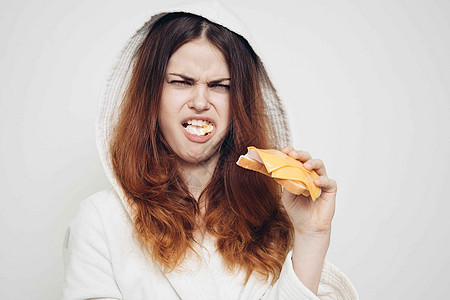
point(287, 171)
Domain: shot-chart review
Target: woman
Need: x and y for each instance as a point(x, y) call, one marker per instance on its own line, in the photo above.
point(185, 99)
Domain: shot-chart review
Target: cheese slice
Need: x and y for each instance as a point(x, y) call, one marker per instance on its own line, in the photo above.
point(284, 169)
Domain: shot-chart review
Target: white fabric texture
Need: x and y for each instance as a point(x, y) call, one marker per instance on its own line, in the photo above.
point(103, 261)
point(102, 258)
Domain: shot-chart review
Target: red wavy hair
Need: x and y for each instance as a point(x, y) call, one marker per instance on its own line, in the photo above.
point(243, 211)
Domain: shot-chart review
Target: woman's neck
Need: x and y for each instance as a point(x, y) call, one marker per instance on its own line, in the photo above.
point(197, 175)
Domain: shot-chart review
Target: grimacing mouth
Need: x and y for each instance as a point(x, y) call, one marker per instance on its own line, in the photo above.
point(198, 127)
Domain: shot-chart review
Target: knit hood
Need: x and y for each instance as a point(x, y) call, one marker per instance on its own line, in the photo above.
point(120, 73)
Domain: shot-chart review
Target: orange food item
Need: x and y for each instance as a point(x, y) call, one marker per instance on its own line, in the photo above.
point(285, 170)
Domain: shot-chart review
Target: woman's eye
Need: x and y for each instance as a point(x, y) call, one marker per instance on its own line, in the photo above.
point(180, 82)
point(220, 86)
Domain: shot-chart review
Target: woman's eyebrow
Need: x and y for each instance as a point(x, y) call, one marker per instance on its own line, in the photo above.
point(219, 80)
point(183, 76)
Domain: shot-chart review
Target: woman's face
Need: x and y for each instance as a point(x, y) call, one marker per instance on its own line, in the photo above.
point(194, 111)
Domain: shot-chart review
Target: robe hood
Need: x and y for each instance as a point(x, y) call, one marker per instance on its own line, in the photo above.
point(120, 73)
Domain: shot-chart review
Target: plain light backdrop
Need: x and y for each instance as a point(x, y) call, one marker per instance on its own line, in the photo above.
point(367, 88)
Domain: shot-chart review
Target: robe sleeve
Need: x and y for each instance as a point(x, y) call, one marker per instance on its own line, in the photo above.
point(333, 285)
point(88, 270)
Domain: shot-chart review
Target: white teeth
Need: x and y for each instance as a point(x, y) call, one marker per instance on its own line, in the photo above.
point(199, 127)
point(198, 122)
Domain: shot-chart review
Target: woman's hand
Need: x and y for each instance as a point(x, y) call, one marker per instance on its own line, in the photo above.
point(311, 221)
point(308, 217)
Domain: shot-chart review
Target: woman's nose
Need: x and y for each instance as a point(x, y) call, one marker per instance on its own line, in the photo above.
point(200, 98)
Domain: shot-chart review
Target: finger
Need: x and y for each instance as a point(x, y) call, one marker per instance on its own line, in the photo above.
point(287, 149)
point(327, 185)
point(300, 155)
point(316, 165)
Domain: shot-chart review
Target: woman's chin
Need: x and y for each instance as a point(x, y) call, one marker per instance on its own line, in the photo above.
point(198, 156)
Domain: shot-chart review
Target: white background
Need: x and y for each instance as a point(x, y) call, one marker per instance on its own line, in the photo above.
point(366, 84)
